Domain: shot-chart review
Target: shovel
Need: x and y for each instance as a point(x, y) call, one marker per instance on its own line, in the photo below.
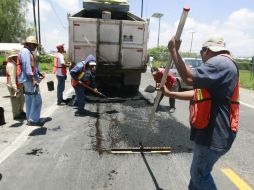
point(91, 89)
point(104, 98)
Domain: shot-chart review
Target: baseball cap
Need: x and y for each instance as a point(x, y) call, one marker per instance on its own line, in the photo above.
point(215, 44)
point(59, 45)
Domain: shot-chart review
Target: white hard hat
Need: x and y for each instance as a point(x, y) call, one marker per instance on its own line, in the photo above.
point(92, 63)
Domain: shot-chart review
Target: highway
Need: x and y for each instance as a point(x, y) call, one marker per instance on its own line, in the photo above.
point(73, 153)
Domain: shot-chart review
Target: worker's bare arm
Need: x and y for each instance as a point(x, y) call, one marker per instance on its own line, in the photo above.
point(185, 95)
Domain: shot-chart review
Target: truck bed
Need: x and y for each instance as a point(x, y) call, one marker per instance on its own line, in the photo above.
point(115, 15)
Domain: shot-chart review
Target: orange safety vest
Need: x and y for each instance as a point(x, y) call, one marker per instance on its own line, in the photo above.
point(80, 76)
point(19, 65)
point(63, 67)
point(7, 77)
point(201, 104)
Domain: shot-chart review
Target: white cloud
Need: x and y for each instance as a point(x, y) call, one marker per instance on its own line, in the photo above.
point(237, 30)
point(45, 8)
point(53, 37)
point(241, 19)
point(70, 6)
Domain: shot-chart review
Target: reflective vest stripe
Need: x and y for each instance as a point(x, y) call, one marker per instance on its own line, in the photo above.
point(199, 94)
point(80, 76)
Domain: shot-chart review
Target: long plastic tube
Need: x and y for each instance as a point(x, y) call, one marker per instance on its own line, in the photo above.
point(164, 77)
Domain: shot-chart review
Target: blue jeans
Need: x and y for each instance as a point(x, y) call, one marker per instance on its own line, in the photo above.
point(33, 102)
point(60, 88)
point(80, 97)
point(202, 164)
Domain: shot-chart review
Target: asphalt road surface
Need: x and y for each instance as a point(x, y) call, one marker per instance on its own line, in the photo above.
point(73, 153)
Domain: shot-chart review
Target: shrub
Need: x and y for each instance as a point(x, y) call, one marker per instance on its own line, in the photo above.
point(44, 58)
point(243, 64)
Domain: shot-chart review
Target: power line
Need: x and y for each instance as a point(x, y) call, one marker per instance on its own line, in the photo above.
point(53, 7)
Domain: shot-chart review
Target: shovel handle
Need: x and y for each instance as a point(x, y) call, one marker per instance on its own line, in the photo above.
point(91, 89)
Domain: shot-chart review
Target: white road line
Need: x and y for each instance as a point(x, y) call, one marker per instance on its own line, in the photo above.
point(21, 139)
point(16, 144)
point(248, 105)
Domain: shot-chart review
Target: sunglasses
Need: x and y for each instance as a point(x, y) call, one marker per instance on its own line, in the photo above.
point(203, 50)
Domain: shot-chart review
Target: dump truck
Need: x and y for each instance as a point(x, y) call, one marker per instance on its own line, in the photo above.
point(117, 38)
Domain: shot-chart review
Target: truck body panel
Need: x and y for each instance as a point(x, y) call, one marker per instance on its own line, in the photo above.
point(119, 44)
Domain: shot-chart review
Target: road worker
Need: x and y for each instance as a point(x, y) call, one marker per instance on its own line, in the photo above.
point(28, 75)
point(61, 72)
point(14, 87)
point(84, 72)
point(214, 107)
point(171, 84)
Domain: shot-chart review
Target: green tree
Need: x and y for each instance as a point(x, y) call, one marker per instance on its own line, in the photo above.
point(161, 53)
point(13, 24)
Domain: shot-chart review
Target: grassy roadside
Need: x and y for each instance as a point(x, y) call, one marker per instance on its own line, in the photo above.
point(46, 66)
point(245, 76)
point(245, 79)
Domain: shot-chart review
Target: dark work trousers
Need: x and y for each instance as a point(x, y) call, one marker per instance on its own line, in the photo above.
point(80, 97)
point(171, 101)
point(60, 88)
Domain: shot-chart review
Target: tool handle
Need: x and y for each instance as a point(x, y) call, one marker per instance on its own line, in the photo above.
point(91, 89)
point(102, 95)
point(177, 37)
point(164, 77)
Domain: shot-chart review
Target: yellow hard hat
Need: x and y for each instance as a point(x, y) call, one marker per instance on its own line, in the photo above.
point(30, 40)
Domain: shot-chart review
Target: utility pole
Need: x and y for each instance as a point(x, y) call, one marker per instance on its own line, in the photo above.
point(35, 25)
point(39, 23)
point(39, 27)
point(158, 15)
point(192, 32)
point(141, 8)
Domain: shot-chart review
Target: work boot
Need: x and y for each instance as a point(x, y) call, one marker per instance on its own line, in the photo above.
point(30, 123)
point(19, 117)
point(172, 110)
point(81, 113)
point(23, 113)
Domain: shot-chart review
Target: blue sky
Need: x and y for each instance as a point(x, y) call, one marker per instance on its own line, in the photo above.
point(231, 19)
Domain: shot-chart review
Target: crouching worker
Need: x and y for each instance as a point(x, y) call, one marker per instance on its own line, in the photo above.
point(171, 84)
point(83, 72)
point(15, 88)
